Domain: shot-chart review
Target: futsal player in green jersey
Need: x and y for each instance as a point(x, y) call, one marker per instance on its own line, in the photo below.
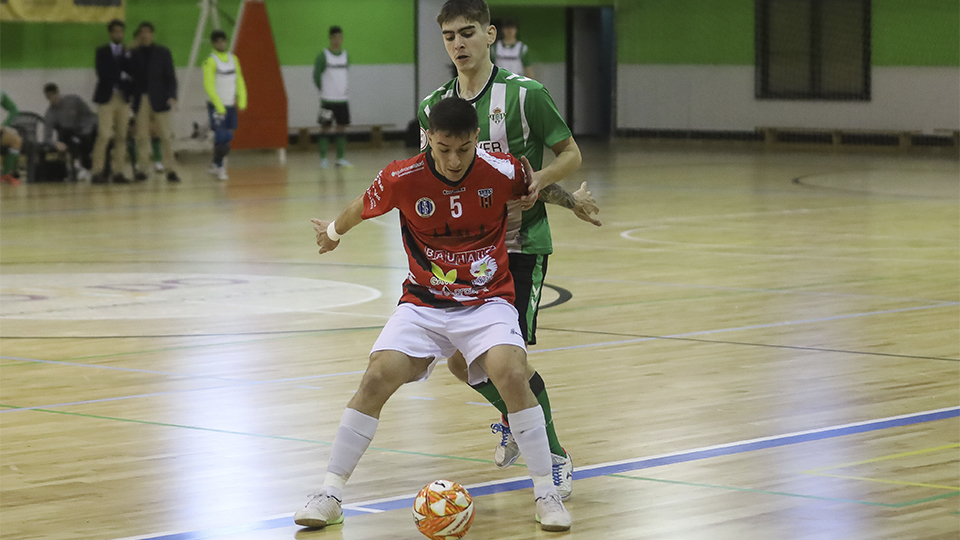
point(517, 116)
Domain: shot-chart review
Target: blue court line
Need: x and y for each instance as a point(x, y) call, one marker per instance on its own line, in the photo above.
point(592, 471)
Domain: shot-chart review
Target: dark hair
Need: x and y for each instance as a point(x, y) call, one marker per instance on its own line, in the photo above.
point(469, 10)
point(217, 34)
point(508, 22)
point(454, 116)
point(144, 24)
point(50, 87)
point(335, 30)
point(115, 22)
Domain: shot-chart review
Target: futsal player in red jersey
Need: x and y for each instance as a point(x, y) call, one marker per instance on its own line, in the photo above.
point(458, 296)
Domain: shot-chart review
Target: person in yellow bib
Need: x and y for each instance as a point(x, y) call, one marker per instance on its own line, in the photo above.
point(223, 81)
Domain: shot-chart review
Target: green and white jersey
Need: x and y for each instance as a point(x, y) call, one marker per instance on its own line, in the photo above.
point(510, 57)
point(518, 117)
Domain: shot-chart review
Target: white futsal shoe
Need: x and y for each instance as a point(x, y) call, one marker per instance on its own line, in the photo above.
point(507, 451)
point(563, 475)
point(552, 515)
point(321, 510)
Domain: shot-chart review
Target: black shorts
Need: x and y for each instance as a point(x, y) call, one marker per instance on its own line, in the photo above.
point(528, 274)
point(331, 110)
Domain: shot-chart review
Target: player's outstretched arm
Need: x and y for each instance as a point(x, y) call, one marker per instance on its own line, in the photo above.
point(567, 162)
point(351, 216)
point(581, 201)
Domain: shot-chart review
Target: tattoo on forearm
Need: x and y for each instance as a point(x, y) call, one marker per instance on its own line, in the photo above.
point(554, 194)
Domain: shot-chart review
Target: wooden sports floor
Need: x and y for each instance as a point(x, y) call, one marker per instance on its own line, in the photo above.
point(754, 345)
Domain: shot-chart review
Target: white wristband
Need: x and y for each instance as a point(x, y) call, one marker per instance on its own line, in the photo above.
point(332, 231)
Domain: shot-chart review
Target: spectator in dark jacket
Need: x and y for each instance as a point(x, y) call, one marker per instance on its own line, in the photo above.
point(155, 85)
point(112, 96)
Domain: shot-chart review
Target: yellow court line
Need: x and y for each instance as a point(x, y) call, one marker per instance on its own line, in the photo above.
point(883, 458)
point(883, 481)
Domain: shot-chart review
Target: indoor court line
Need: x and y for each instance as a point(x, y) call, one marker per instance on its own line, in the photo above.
point(541, 351)
point(752, 327)
point(591, 471)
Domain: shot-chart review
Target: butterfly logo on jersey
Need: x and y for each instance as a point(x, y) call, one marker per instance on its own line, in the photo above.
point(440, 278)
point(497, 115)
point(425, 207)
point(483, 271)
point(486, 197)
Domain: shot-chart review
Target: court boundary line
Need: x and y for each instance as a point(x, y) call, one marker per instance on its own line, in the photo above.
point(591, 471)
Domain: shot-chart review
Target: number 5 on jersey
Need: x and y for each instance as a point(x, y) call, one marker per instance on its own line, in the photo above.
point(456, 209)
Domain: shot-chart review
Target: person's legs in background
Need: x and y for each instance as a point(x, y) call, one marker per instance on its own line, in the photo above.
point(12, 143)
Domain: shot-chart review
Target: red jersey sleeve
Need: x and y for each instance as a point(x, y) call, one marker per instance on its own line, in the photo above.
point(379, 197)
point(519, 181)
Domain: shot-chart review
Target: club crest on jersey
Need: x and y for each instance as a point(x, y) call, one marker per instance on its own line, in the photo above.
point(497, 115)
point(486, 197)
point(425, 207)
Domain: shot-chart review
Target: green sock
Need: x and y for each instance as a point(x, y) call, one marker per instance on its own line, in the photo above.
point(157, 152)
point(341, 146)
point(324, 144)
point(10, 161)
point(490, 392)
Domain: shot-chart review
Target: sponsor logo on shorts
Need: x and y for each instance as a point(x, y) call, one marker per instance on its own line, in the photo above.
point(425, 207)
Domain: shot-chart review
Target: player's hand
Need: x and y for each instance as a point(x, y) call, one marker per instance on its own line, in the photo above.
point(533, 185)
point(60, 146)
point(172, 102)
point(584, 205)
point(219, 117)
point(324, 241)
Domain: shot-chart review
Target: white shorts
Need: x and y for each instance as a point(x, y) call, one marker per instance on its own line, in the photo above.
point(427, 332)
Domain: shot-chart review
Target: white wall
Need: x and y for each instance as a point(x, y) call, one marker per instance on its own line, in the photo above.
point(722, 98)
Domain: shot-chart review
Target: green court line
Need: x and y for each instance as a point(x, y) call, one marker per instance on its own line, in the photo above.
point(797, 495)
point(243, 434)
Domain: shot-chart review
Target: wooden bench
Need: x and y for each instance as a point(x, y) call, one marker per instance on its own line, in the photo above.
point(375, 130)
point(771, 135)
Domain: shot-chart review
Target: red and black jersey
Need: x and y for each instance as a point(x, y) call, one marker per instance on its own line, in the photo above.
point(453, 232)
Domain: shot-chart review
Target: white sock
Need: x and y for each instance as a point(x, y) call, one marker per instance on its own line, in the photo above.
point(529, 430)
point(353, 437)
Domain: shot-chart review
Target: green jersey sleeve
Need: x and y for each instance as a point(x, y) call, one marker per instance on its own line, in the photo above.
point(8, 105)
point(545, 120)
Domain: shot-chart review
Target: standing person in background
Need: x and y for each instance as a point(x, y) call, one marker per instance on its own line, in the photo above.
point(330, 77)
point(112, 96)
point(223, 81)
point(76, 127)
point(509, 53)
point(155, 84)
point(10, 140)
